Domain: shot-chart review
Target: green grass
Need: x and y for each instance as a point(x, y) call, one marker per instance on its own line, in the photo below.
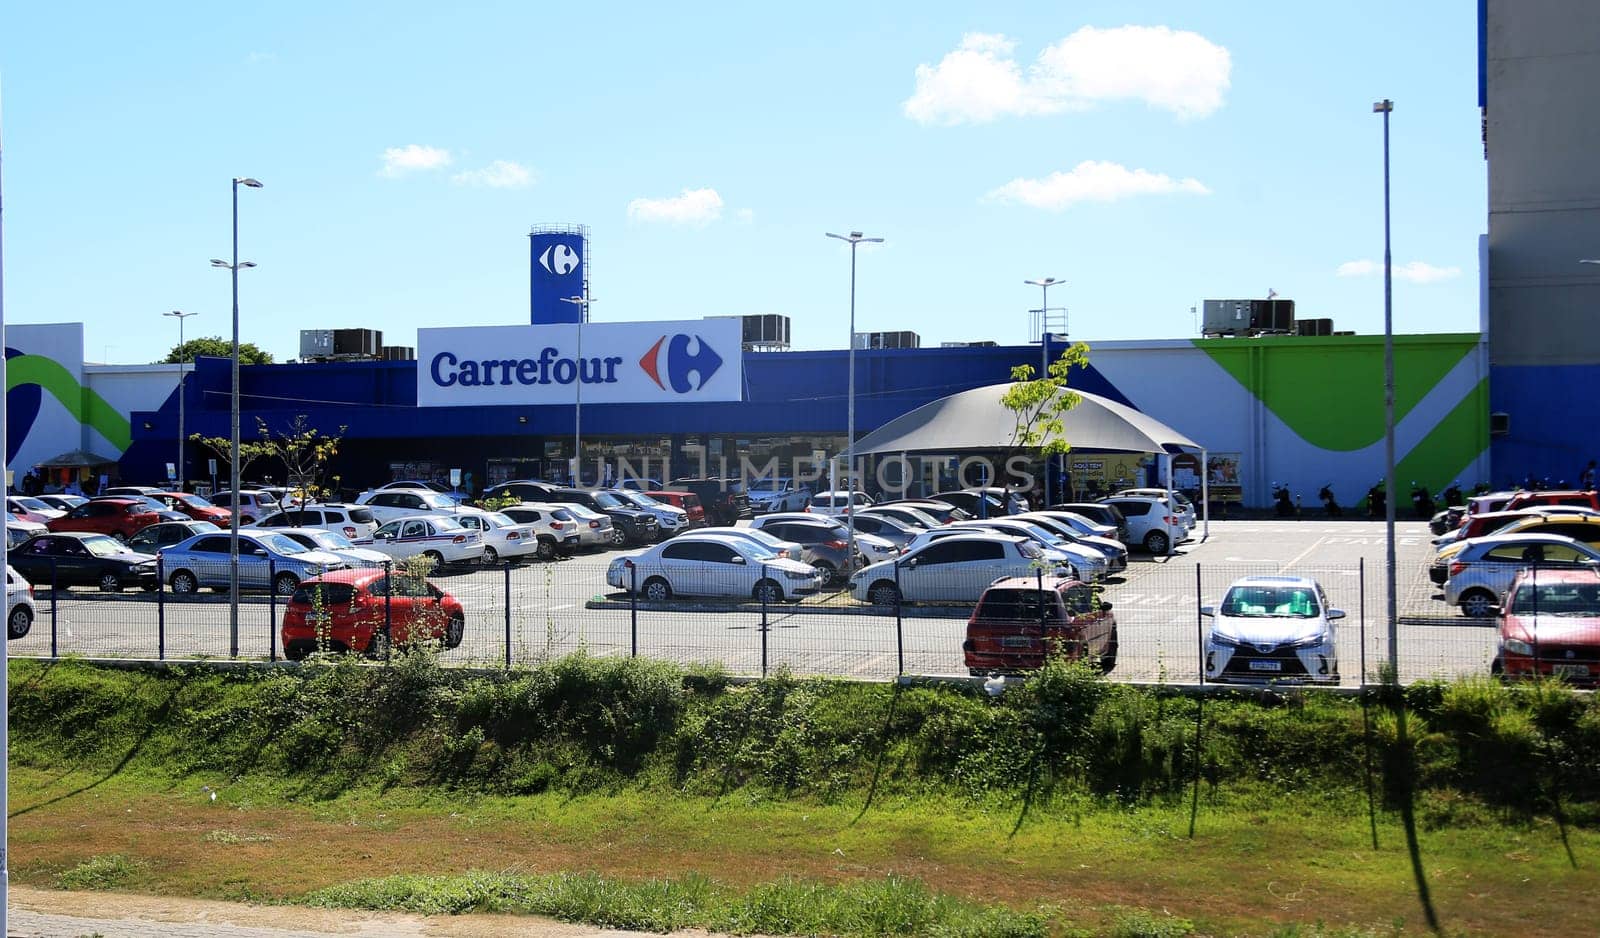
point(108, 871)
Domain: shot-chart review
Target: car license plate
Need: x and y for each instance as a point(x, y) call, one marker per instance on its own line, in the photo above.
point(1016, 641)
point(1570, 670)
point(1266, 666)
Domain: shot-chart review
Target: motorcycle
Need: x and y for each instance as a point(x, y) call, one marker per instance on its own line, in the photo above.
point(1281, 502)
point(1452, 495)
point(1422, 501)
point(1377, 501)
point(1330, 505)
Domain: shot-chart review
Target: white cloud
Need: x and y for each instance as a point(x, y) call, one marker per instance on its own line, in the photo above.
point(745, 216)
point(690, 207)
point(1092, 181)
point(1412, 272)
point(501, 174)
point(1178, 71)
point(397, 161)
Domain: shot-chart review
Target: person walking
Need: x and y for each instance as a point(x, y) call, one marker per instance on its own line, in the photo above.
point(1586, 478)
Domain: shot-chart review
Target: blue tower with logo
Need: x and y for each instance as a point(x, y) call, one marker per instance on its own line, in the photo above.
point(558, 273)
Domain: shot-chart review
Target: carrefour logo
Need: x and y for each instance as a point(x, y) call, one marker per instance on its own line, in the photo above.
point(559, 259)
point(703, 363)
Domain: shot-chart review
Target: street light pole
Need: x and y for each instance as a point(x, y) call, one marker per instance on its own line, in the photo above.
point(1044, 284)
point(577, 380)
point(855, 238)
point(1385, 107)
point(233, 436)
point(182, 373)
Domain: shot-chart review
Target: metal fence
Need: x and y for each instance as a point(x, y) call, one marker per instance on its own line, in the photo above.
point(520, 614)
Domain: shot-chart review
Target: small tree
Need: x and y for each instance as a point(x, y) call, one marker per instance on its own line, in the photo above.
point(222, 447)
point(212, 346)
point(1037, 404)
point(305, 453)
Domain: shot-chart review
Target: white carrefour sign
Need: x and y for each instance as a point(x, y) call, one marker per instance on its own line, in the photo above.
point(614, 363)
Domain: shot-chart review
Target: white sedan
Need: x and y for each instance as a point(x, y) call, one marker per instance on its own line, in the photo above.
point(705, 564)
point(1272, 628)
point(953, 568)
point(337, 544)
point(440, 538)
point(502, 537)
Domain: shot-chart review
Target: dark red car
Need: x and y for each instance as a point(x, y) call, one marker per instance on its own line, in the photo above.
point(1020, 622)
point(1550, 626)
point(371, 611)
point(194, 506)
point(688, 501)
point(1576, 497)
point(118, 517)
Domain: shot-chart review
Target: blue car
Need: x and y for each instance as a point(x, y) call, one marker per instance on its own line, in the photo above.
point(266, 561)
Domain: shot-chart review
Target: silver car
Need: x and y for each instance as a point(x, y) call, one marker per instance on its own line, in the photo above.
point(1481, 572)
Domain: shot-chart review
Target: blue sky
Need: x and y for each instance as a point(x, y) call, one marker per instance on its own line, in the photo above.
point(1152, 155)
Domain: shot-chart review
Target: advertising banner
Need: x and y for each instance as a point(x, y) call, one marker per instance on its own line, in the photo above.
point(556, 272)
point(615, 363)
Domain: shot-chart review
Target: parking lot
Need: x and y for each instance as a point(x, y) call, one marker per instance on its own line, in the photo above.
point(1155, 602)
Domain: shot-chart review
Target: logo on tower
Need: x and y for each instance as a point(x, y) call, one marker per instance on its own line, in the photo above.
point(680, 363)
point(559, 259)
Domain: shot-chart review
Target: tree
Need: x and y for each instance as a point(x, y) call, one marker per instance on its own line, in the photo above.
point(305, 453)
point(1038, 403)
point(221, 447)
point(217, 347)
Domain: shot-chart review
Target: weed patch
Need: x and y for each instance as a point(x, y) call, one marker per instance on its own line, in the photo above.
point(106, 871)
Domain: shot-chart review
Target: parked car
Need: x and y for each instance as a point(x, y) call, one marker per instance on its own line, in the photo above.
point(1480, 573)
point(1099, 513)
point(27, 508)
point(62, 501)
point(1581, 527)
point(1082, 524)
point(19, 531)
point(1576, 497)
point(1022, 622)
point(1115, 554)
point(370, 611)
point(670, 519)
point(1151, 522)
point(955, 568)
point(688, 501)
point(252, 504)
point(704, 563)
point(1489, 522)
point(629, 525)
point(83, 559)
point(192, 505)
point(632, 483)
point(907, 516)
point(152, 539)
point(1055, 563)
point(354, 522)
point(940, 511)
point(20, 610)
point(388, 505)
point(1014, 501)
point(267, 561)
point(523, 490)
point(723, 499)
point(120, 518)
point(838, 503)
point(786, 549)
point(968, 500)
point(438, 488)
point(812, 529)
point(1272, 628)
point(1089, 563)
point(554, 528)
point(1182, 508)
point(594, 528)
point(503, 537)
point(126, 491)
point(1549, 625)
point(440, 538)
point(332, 542)
point(891, 529)
point(777, 494)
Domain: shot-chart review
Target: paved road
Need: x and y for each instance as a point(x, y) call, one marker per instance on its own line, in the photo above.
point(1155, 603)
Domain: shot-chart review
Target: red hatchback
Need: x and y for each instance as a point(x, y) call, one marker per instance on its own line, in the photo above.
point(371, 611)
point(1020, 622)
point(118, 517)
point(194, 506)
point(688, 501)
point(1550, 626)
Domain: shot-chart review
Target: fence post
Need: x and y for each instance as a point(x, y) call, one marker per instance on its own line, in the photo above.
point(161, 610)
point(53, 614)
point(899, 622)
point(763, 622)
point(1534, 622)
point(508, 615)
point(272, 609)
point(1361, 584)
point(388, 610)
point(633, 607)
point(1199, 628)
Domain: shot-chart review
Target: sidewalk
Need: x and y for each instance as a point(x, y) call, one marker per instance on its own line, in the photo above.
point(43, 913)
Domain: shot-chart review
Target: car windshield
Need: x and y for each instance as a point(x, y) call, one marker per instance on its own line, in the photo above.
point(32, 504)
point(281, 544)
point(1580, 600)
point(1297, 602)
point(331, 539)
point(561, 514)
point(643, 500)
point(608, 500)
point(102, 546)
point(435, 500)
point(197, 501)
point(1030, 550)
point(768, 485)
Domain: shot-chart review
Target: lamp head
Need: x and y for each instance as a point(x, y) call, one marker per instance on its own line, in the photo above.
point(243, 264)
point(217, 263)
point(1383, 107)
point(247, 181)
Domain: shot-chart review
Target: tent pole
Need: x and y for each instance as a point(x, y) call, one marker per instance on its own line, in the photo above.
point(1172, 505)
point(1205, 496)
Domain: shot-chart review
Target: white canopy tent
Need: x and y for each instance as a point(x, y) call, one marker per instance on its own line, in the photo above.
point(977, 420)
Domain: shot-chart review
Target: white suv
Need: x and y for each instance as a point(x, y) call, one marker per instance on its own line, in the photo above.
point(768, 495)
point(1152, 524)
point(1183, 509)
point(390, 504)
point(353, 521)
point(20, 611)
point(839, 503)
